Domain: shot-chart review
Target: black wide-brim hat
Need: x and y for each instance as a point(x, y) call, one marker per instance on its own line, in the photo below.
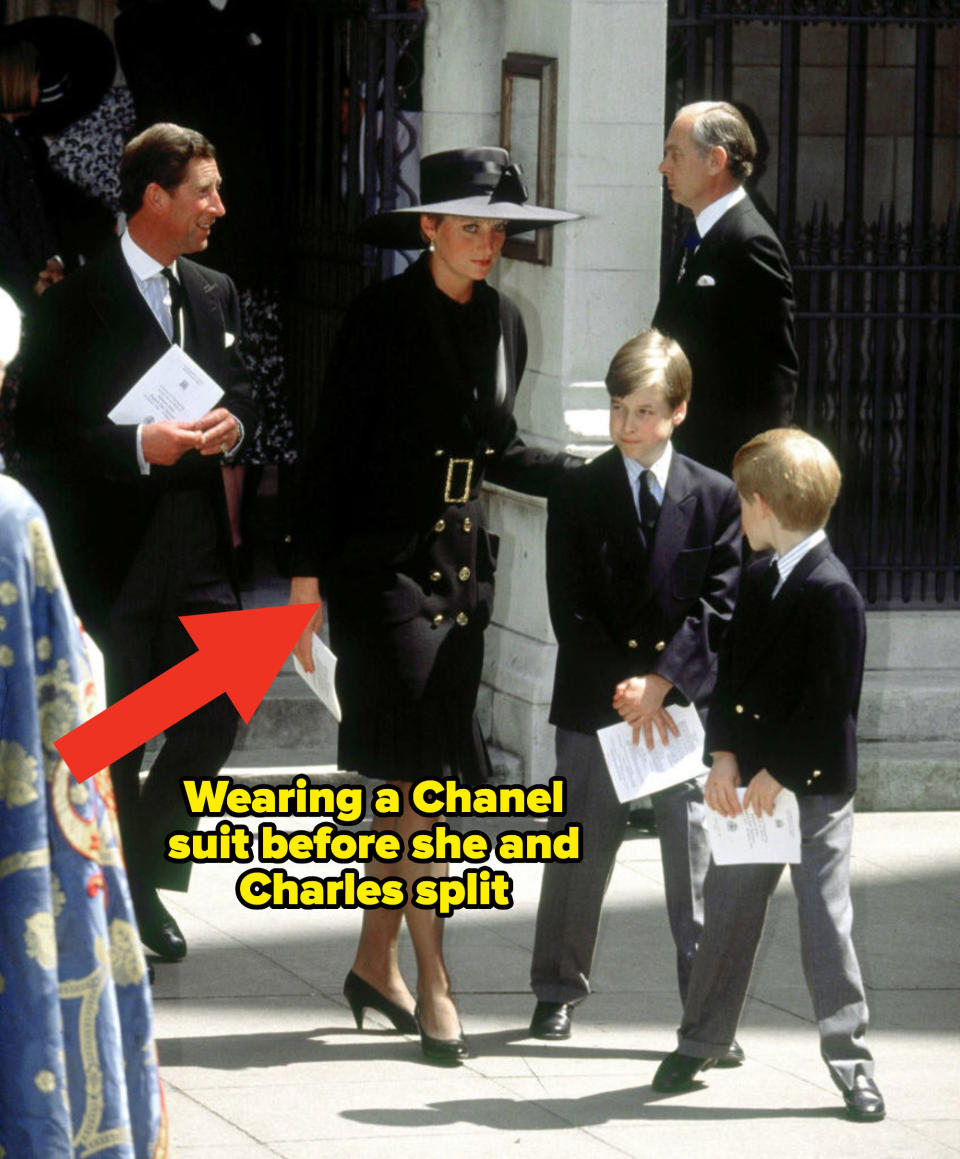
point(77, 66)
point(479, 182)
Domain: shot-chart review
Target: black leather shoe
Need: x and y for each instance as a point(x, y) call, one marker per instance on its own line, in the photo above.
point(446, 1051)
point(677, 1071)
point(551, 1020)
point(864, 1101)
point(159, 931)
point(362, 996)
point(733, 1057)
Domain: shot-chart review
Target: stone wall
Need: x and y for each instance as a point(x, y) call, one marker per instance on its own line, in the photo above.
point(889, 113)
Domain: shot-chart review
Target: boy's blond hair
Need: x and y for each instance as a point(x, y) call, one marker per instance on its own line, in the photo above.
point(650, 359)
point(795, 474)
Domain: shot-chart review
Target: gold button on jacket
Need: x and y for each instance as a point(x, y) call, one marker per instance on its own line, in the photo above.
point(464, 574)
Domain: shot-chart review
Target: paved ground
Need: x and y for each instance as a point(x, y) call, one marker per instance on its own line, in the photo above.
point(260, 1056)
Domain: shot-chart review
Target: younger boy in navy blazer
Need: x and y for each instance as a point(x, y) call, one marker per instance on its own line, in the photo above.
point(784, 715)
point(643, 561)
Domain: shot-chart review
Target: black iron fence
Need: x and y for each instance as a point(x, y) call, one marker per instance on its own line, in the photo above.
point(878, 301)
point(879, 341)
point(353, 83)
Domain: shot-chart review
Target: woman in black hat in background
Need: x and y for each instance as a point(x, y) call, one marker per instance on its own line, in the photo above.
point(415, 412)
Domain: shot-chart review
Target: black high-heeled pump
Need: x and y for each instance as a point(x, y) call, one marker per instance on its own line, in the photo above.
point(362, 996)
point(449, 1051)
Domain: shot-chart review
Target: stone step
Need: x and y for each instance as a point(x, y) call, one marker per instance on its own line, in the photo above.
point(913, 640)
point(908, 776)
point(910, 705)
point(251, 766)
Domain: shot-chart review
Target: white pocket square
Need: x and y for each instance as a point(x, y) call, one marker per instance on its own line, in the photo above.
point(228, 338)
point(706, 280)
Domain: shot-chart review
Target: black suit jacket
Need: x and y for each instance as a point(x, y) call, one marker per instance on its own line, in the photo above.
point(396, 560)
point(618, 612)
point(733, 314)
point(788, 688)
point(93, 336)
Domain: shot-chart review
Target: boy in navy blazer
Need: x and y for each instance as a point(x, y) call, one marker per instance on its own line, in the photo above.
point(643, 561)
point(784, 715)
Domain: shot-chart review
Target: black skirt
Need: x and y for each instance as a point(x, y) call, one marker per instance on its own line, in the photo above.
point(390, 734)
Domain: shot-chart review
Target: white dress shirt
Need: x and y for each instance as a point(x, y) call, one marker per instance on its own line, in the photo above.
point(707, 218)
point(156, 293)
point(789, 560)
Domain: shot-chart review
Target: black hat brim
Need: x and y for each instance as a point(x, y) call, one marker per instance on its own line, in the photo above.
point(400, 228)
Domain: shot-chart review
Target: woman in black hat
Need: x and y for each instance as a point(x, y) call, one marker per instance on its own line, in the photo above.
point(415, 412)
point(28, 245)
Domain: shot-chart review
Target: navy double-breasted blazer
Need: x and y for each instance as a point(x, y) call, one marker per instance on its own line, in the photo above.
point(789, 679)
point(619, 611)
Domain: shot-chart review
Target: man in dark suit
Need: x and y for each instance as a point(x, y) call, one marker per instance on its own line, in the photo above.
point(643, 559)
point(728, 298)
point(784, 716)
point(138, 511)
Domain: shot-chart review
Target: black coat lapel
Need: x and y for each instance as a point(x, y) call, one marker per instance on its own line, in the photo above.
point(676, 511)
point(137, 339)
point(764, 620)
point(628, 562)
point(204, 330)
point(716, 237)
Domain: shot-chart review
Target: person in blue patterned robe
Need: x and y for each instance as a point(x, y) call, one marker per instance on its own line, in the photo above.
point(78, 1067)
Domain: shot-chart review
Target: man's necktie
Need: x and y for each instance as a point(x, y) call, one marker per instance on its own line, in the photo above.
point(176, 302)
point(649, 507)
point(691, 243)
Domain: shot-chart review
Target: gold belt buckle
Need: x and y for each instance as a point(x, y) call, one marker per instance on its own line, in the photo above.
point(451, 463)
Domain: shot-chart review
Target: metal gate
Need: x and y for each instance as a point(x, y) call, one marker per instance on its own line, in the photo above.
point(352, 88)
point(878, 314)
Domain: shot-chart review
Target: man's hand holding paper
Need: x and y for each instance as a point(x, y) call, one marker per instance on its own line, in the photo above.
point(164, 443)
point(175, 389)
point(219, 432)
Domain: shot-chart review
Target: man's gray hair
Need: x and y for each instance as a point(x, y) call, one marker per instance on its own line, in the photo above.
point(719, 123)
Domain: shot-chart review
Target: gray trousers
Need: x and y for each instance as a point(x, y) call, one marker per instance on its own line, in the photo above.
point(736, 898)
point(571, 895)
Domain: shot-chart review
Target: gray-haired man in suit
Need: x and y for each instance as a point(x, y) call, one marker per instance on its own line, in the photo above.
point(728, 298)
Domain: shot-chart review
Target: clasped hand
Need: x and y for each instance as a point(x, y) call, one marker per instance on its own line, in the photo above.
point(639, 701)
point(720, 791)
point(165, 443)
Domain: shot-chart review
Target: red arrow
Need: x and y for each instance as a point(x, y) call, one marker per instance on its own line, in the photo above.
point(238, 653)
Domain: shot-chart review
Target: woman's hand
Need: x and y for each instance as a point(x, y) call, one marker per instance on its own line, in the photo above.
point(306, 590)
